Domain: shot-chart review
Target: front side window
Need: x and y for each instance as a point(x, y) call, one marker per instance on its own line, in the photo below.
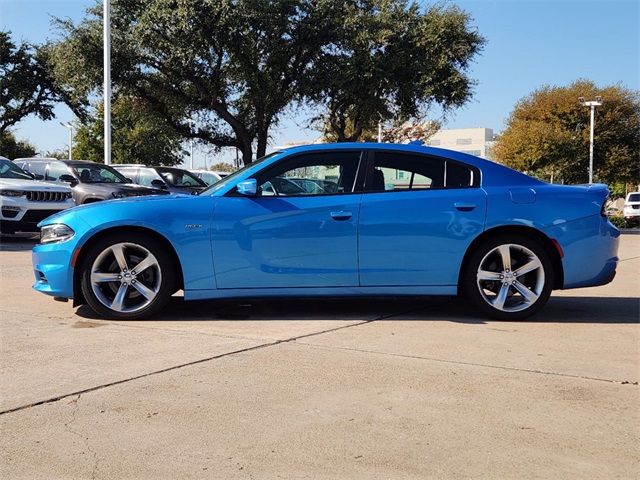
point(94, 173)
point(55, 170)
point(147, 175)
point(319, 173)
point(180, 178)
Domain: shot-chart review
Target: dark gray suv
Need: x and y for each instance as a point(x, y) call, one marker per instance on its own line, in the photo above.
point(89, 181)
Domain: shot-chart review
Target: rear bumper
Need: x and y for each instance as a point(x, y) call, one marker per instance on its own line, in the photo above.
point(590, 247)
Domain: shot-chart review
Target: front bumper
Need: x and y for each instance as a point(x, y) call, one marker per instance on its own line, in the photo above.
point(52, 269)
point(21, 215)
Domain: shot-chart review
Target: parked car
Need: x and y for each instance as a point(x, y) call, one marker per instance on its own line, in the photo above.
point(24, 202)
point(631, 209)
point(89, 181)
point(173, 180)
point(405, 220)
point(207, 176)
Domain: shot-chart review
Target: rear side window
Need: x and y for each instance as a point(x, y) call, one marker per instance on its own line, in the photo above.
point(397, 171)
point(393, 171)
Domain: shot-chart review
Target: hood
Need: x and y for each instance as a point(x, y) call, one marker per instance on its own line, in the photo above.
point(33, 185)
point(109, 188)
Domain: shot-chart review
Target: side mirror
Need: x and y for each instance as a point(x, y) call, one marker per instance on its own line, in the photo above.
point(248, 187)
point(70, 179)
point(159, 184)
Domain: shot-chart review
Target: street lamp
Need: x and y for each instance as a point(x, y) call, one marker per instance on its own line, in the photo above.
point(106, 66)
point(191, 123)
point(70, 127)
point(592, 104)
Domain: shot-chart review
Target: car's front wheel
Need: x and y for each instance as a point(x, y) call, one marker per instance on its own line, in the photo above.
point(127, 276)
point(508, 277)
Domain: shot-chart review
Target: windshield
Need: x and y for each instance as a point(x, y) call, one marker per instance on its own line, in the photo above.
point(180, 178)
point(231, 177)
point(8, 169)
point(94, 173)
point(634, 197)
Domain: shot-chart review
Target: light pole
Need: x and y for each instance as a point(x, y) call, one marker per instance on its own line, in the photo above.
point(592, 104)
point(70, 127)
point(106, 65)
point(191, 122)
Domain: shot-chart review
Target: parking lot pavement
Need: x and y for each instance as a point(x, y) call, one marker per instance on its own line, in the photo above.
point(396, 388)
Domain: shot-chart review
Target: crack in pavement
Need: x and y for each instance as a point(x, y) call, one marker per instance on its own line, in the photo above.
point(84, 438)
point(473, 364)
point(194, 362)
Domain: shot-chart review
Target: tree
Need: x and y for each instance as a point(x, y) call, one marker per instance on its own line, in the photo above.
point(139, 135)
point(405, 132)
point(391, 61)
point(233, 65)
point(12, 149)
point(26, 86)
point(548, 133)
point(222, 167)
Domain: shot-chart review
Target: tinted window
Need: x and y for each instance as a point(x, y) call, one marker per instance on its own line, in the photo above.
point(10, 170)
point(180, 178)
point(634, 197)
point(318, 173)
point(94, 173)
point(398, 171)
point(458, 175)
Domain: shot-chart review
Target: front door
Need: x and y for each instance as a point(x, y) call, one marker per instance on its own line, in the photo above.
point(299, 231)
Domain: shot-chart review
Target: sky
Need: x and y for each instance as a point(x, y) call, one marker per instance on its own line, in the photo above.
point(529, 44)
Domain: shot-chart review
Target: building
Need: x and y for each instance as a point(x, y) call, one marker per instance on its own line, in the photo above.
point(474, 141)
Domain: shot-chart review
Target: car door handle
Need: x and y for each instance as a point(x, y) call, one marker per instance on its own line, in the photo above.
point(341, 215)
point(464, 207)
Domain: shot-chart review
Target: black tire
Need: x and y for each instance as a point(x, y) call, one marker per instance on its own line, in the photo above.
point(485, 252)
point(165, 266)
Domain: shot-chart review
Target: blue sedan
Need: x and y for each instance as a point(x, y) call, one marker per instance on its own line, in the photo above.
point(401, 220)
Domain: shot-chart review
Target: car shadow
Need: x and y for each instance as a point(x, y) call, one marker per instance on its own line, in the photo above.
point(606, 310)
point(18, 242)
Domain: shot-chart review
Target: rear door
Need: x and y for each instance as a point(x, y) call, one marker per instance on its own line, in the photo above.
point(419, 215)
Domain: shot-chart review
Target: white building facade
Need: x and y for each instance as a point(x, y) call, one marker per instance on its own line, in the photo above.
point(474, 141)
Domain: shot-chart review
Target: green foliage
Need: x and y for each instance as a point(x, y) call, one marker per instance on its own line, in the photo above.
point(26, 88)
point(11, 148)
point(618, 221)
point(222, 167)
point(60, 154)
point(237, 65)
point(548, 132)
point(392, 61)
point(139, 135)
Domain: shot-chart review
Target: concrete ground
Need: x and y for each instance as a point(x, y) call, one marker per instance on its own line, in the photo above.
point(395, 388)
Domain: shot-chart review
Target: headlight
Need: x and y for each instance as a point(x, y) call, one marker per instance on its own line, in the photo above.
point(57, 232)
point(11, 193)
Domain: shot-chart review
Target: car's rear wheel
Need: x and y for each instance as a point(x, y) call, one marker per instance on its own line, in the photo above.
point(508, 277)
point(127, 276)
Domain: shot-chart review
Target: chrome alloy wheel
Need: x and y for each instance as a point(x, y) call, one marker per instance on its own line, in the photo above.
point(510, 278)
point(126, 277)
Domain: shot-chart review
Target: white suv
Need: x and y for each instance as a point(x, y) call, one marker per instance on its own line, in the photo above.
point(24, 202)
point(631, 209)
